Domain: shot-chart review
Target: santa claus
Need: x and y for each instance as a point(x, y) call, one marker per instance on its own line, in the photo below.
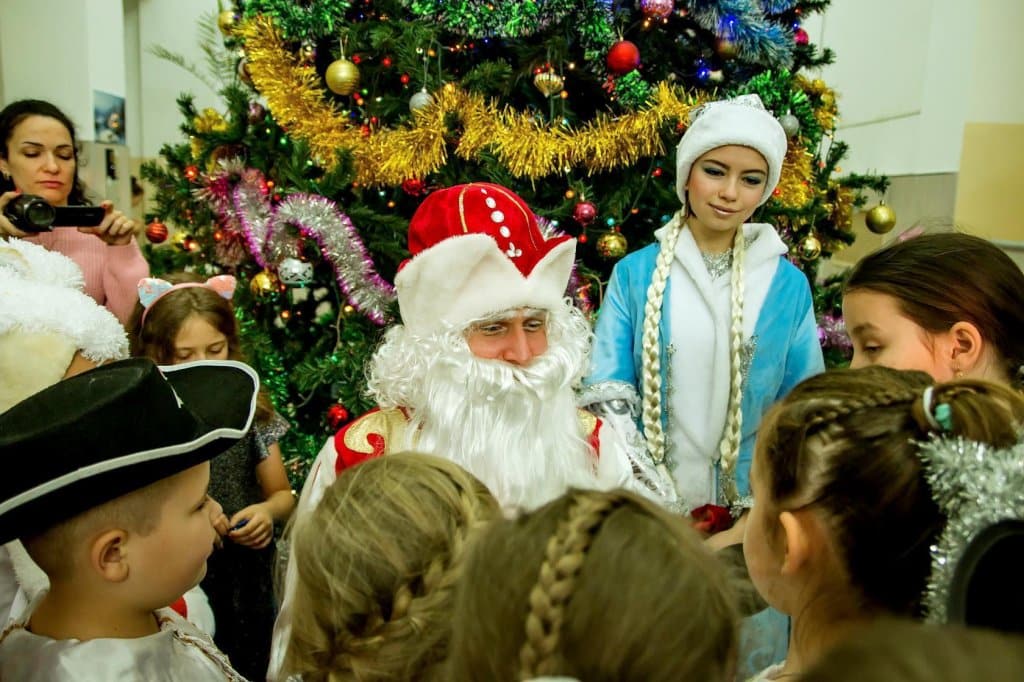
point(483, 366)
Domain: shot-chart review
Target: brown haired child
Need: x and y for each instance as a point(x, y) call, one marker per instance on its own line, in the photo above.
point(844, 519)
point(596, 586)
point(109, 494)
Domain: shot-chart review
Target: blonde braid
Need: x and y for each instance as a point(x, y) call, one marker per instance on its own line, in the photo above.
point(651, 350)
point(563, 558)
point(732, 436)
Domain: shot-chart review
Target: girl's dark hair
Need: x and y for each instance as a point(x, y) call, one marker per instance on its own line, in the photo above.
point(945, 278)
point(155, 339)
point(16, 112)
point(847, 442)
point(599, 586)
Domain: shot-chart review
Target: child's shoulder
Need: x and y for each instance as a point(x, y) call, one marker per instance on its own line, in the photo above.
point(178, 651)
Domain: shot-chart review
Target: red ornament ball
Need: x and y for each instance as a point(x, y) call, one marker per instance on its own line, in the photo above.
point(191, 172)
point(584, 213)
point(657, 9)
point(413, 187)
point(623, 57)
point(156, 232)
point(801, 37)
point(337, 415)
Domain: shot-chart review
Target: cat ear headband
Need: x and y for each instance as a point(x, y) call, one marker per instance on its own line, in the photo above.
point(152, 289)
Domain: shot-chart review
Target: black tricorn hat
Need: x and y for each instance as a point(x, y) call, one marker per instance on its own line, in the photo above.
point(96, 436)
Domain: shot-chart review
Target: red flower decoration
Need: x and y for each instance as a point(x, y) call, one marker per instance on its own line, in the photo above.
point(711, 519)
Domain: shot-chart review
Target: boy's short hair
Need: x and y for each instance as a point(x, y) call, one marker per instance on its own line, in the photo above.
point(138, 512)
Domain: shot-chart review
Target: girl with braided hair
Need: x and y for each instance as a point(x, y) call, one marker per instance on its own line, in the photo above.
point(947, 304)
point(710, 325)
point(376, 563)
point(549, 596)
point(844, 518)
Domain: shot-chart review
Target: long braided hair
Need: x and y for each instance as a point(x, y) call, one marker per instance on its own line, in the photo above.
point(732, 435)
point(846, 442)
point(377, 562)
point(594, 585)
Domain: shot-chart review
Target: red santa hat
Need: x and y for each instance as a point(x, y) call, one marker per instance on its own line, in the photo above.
point(477, 250)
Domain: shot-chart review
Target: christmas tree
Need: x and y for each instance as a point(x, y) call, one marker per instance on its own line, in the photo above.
point(339, 117)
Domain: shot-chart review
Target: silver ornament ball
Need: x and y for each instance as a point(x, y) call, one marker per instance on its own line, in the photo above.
point(420, 100)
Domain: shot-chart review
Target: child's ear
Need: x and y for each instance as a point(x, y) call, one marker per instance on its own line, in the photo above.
point(966, 346)
point(797, 536)
point(107, 556)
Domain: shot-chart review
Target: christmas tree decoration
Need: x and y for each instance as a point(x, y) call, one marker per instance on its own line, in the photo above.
point(414, 187)
point(191, 173)
point(156, 232)
point(337, 416)
point(790, 124)
point(295, 272)
point(800, 37)
point(810, 248)
point(623, 57)
point(179, 239)
point(726, 48)
point(342, 77)
point(226, 22)
point(263, 285)
point(548, 82)
point(256, 113)
point(420, 100)
point(307, 52)
point(584, 213)
point(612, 245)
point(243, 72)
point(657, 9)
point(880, 219)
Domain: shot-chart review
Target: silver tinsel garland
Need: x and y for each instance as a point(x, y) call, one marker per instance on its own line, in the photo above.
point(976, 486)
point(269, 233)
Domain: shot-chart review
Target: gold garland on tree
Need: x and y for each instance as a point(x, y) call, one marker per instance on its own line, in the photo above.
point(526, 147)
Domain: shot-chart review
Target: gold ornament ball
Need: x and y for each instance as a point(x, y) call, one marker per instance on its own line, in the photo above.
point(226, 21)
point(810, 248)
point(263, 284)
point(612, 245)
point(880, 219)
point(548, 82)
point(342, 77)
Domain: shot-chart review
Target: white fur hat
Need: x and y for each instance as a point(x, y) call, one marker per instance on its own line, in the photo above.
point(477, 250)
point(741, 121)
point(46, 319)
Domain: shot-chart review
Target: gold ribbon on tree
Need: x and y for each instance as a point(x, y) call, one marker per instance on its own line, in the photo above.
point(525, 146)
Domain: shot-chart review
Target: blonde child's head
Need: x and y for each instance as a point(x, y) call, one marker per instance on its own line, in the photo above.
point(844, 519)
point(596, 586)
point(377, 561)
point(914, 652)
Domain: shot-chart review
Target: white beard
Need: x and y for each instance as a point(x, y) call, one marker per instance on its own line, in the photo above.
point(514, 428)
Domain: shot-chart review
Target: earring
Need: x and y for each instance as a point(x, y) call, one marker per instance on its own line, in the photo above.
point(957, 372)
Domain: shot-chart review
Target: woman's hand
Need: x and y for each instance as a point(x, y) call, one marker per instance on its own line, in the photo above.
point(252, 527)
point(7, 228)
point(116, 229)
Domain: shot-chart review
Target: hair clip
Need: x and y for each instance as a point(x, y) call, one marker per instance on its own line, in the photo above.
point(152, 289)
point(940, 417)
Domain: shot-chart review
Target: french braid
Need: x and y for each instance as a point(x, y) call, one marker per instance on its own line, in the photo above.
point(732, 435)
point(563, 557)
point(651, 348)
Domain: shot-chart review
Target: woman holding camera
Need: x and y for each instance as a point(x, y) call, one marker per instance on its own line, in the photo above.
point(39, 156)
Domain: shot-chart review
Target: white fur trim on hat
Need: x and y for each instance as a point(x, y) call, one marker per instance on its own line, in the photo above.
point(42, 325)
point(741, 121)
point(467, 277)
point(25, 260)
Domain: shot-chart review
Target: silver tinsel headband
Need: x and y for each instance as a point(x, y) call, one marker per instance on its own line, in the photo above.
point(976, 486)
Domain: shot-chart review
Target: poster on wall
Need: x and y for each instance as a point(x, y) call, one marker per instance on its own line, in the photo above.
point(108, 114)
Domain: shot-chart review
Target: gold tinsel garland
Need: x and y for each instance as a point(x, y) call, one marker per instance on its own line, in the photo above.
point(527, 147)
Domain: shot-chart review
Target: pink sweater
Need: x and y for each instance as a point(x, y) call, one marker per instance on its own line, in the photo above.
point(112, 273)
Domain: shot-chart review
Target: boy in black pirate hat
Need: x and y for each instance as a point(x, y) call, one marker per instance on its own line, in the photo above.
point(106, 486)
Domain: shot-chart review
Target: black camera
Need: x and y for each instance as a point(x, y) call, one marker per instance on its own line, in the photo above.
point(31, 213)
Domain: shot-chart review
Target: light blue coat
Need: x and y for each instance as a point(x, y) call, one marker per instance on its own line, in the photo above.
point(787, 351)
